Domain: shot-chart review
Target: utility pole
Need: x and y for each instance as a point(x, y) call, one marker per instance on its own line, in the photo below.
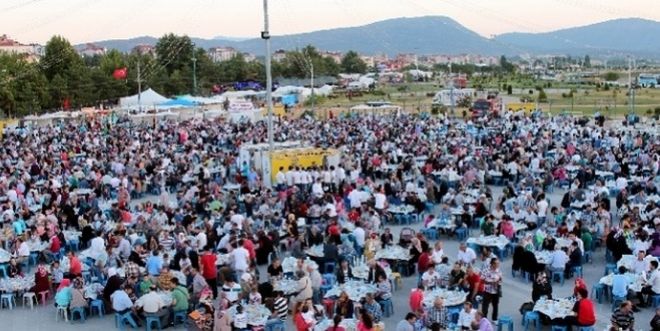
point(265, 35)
point(311, 69)
point(194, 61)
point(451, 94)
point(139, 81)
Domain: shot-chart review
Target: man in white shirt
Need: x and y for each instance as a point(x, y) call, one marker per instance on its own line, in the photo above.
point(466, 255)
point(317, 188)
point(466, 316)
point(359, 235)
point(201, 240)
point(97, 246)
point(355, 198)
point(430, 278)
point(640, 265)
point(153, 306)
point(241, 259)
point(289, 177)
point(438, 253)
point(652, 286)
point(280, 179)
point(23, 251)
point(379, 201)
point(558, 260)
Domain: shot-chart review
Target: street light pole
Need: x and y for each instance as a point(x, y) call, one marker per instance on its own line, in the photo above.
point(312, 83)
point(194, 61)
point(265, 35)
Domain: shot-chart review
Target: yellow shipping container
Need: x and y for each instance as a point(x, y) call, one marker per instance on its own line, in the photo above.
point(298, 157)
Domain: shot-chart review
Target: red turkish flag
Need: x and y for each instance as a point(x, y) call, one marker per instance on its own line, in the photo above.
point(66, 103)
point(120, 73)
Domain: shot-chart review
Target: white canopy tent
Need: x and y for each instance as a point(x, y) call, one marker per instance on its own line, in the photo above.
point(148, 99)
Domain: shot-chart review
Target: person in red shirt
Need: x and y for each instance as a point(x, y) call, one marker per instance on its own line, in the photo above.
point(209, 270)
point(249, 246)
point(416, 300)
point(75, 267)
point(424, 261)
point(55, 244)
point(472, 283)
point(585, 314)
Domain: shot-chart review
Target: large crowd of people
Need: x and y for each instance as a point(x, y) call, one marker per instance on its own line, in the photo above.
point(165, 222)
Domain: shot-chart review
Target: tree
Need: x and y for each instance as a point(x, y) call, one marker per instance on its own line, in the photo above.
point(506, 66)
point(174, 52)
point(611, 76)
point(509, 90)
point(352, 63)
point(542, 96)
point(67, 74)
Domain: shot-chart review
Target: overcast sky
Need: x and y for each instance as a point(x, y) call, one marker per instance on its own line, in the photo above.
point(88, 20)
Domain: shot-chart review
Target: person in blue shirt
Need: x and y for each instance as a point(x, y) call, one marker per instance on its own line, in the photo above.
point(154, 263)
point(19, 226)
point(620, 284)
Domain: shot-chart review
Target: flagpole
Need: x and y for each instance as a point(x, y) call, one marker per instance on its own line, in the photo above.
point(139, 81)
point(269, 79)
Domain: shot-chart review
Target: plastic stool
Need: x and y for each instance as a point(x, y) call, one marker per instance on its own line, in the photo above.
point(120, 319)
point(504, 321)
point(3, 268)
point(324, 289)
point(597, 292)
point(7, 299)
point(33, 258)
point(453, 314)
point(180, 315)
point(31, 298)
point(558, 328)
point(610, 267)
point(585, 328)
point(532, 317)
point(388, 307)
point(63, 311)
point(655, 300)
point(329, 268)
point(153, 320)
point(98, 305)
point(329, 279)
point(80, 311)
point(560, 275)
point(430, 233)
point(577, 271)
point(275, 326)
point(74, 245)
point(461, 233)
point(616, 302)
point(44, 296)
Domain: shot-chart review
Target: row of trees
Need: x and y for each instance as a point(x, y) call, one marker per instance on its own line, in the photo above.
point(62, 78)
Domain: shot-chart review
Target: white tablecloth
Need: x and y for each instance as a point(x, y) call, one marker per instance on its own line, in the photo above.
point(635, 282)
point(347, 324)
point(315, 251)
point(257, 315)
point(287, 286)
point(451, 298)
point(356, 290)
point(490, 241)
point(16, 284)
point(395, 252)
point(289, 264)
point(627, 261)
point(555, 308)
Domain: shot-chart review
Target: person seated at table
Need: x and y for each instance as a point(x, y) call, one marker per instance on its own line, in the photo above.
point(430, 278)
point(78, 299)
point(63, 296)
point(152, 305)
point(549, 243)
point(383, 288)
point(344, 272)
point(375, 270)
point(344, 306)
point(437, 314)
point(562, 229)
point(386, 238)
point(275, 270)
point(180, 297)
point(122, 303)
point(506, 228)
point(75, 266)
point(541, 286)
point(584, 313)
point(41, 279)
point(456, 275)
point(575, 259)
point(372, 307)
point(559, 259)
point(652, 286)
point(623, 317)
point(488, 227)
point(14, 269)
point(466, 316)
point(240, 320)
point(485, 257)
point(366, 322)
point(416, 300)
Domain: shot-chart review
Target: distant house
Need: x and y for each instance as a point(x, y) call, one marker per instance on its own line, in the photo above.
point(279, 55)
point(144, 49)
point(92, 50)
point(221, 54)
point(336, 56)
point(32, 51)
point(249, 57)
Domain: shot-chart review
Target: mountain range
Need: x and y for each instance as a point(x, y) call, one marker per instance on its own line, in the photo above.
point(443, 35)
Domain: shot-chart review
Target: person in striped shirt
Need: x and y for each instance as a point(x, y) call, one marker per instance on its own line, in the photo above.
point(623, 318)
point(280, 305)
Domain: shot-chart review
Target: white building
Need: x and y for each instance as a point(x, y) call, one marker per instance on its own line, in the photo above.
point(32, 51)
point(92, 50)
point(220, 54)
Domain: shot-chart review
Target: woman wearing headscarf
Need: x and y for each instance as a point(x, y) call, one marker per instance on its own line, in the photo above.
point(41, 279)
point(78, 294)
point(63, 296)
point(541, 287)
point(579, 283)
point(113, 284)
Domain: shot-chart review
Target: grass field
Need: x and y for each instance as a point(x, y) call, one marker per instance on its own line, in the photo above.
point(586, 99)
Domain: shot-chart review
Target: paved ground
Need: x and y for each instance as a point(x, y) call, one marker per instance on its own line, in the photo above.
point(515, 292)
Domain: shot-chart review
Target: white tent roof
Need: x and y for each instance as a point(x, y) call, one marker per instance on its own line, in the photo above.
point(147, 98)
